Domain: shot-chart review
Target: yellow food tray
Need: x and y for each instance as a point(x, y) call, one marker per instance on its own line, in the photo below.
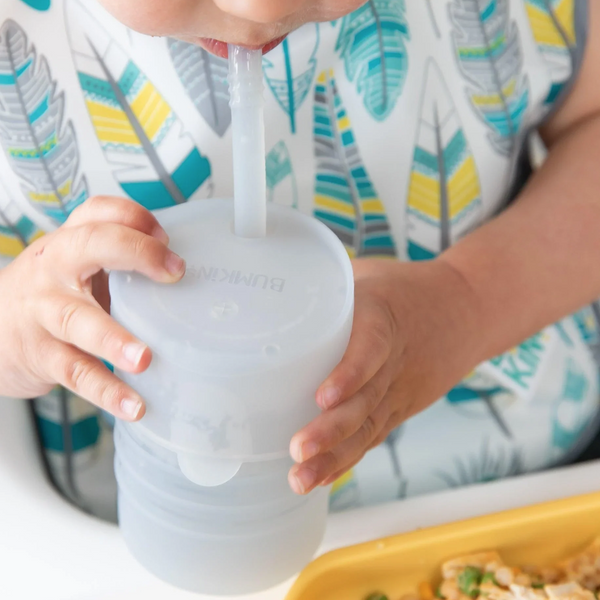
point(542, 534)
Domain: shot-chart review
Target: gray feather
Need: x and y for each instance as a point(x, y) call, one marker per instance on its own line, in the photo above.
point(41, 150)
point(499, 68)
point(204, 77)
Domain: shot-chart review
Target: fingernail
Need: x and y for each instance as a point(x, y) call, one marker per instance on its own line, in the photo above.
point(175, 264)
point(329, 397)
point(133, 353)
point(131, 408)
point(302, 480)
point(160, 234)
point(301, 451)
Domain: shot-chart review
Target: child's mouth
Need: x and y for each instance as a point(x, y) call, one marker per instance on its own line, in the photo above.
point(219, 48)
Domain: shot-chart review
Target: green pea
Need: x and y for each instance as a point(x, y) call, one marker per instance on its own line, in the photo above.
point(469, 580)
point(376, 596)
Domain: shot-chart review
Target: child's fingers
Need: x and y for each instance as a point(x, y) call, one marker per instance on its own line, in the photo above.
point(85, 325)
point(87, 377)
point(110, 209)
point(78, 253)
point(334, 426)
point(304, 477)
point(394, 420)
point(370, 346)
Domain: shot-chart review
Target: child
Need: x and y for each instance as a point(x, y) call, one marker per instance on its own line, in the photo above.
point(404, 126)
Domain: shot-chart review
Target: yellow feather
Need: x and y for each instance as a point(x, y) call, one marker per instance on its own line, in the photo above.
point(463, 187)
point(111, 124)
point(334, 205)
point(564, 13)
point(150, 109)
point(543, 28)
point(424, 194)
point(374, 206)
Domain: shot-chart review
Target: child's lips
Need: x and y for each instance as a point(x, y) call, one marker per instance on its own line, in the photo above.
point(219, 48)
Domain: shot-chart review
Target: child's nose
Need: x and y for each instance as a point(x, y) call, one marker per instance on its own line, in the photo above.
point(260, 11)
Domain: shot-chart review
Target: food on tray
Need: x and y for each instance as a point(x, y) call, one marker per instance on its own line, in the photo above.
point(485, 576)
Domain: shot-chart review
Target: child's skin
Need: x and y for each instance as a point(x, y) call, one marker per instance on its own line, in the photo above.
point(419, 327)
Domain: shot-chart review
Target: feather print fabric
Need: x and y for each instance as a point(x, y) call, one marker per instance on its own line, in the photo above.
point(16, 230)
point(372, 44)
point(444, 195)
point(553, 27)
point(489, 56)
point(204, 77)
point(398, 126)
point(289, 75)
point(345, 199)
point(41, 149)
point(279, 171)
point(153, 159)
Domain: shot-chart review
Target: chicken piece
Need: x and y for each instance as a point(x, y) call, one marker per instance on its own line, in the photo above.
point(568, 591)
point(522, 592)
point(585, 567)
point(504, 576)
point(449, 589)
point(489, 586)
point(500, 594)
point(523, 579)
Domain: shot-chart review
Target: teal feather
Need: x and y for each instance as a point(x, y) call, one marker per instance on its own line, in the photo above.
point(204, 77)
point(41, 5)
point(372, 43)
point(41, 149)
point(572, 402)
point(463, 393)
point(490, 58)
point(345, 198)
point(279, 168)
point(289, 70)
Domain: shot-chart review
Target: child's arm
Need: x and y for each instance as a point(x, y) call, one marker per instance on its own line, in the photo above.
point(52, 319)
point(420, 328)
point(540, 259)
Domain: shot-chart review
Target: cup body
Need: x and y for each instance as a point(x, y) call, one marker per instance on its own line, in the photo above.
point(240, 347)
point(244, 536)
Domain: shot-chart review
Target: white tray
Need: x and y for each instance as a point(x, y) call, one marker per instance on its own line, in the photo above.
point(50, 550)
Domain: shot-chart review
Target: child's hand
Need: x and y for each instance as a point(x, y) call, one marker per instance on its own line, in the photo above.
point(414, 337)
point(53, 326)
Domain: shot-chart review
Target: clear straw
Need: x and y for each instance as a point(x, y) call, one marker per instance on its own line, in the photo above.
point(248, 132)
